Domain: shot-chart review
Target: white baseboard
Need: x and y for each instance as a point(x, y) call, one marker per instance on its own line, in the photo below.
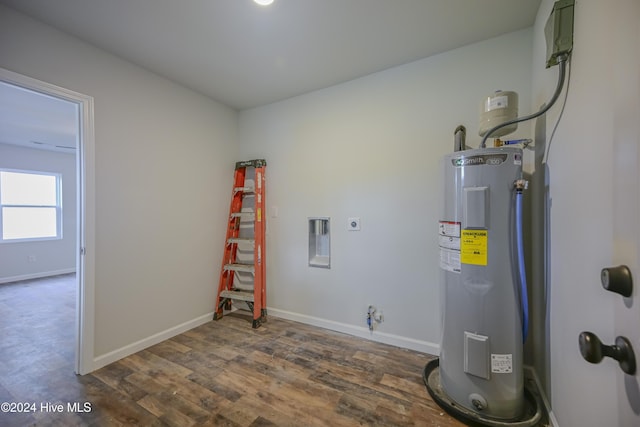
point(545, 401)
point(362, 332)
point(115, 355)
point(36, 275)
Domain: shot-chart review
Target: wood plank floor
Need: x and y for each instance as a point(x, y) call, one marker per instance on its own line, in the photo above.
point(222, 373)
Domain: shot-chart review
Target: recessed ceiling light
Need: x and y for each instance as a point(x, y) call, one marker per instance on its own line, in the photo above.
point(263, 2)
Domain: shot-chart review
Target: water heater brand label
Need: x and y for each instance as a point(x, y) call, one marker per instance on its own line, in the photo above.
point(479, 160)
point(501, 363)
point(473, 247)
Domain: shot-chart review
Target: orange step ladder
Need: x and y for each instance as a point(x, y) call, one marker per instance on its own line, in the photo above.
point(243, 272)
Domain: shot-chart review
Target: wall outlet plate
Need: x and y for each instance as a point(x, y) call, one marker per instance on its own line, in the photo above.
point(353, 224)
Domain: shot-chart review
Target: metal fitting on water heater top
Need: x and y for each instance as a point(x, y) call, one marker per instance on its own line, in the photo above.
point(521, 184)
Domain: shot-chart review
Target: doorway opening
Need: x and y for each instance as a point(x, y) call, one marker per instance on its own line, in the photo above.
point(83, 141)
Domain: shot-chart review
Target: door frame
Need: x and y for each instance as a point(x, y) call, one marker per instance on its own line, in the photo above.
point(85, 213)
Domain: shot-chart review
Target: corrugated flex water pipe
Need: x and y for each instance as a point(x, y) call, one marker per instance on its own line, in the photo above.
point(524, 298)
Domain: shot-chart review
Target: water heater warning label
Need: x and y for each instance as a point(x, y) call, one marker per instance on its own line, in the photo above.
point(449, 228)
point(449, 242)
point(473, 247)
point(450, 260)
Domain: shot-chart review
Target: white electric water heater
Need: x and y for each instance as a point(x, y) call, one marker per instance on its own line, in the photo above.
point(483, 321)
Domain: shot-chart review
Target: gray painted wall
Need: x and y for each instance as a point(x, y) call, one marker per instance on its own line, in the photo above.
point(372, 148)
point(164, 159)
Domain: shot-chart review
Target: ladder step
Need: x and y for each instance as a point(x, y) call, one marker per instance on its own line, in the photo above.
point(244, 189)
point(248, 268)
point(241, 240)
point(244, 215)
point(257, 163)
point(238, 295)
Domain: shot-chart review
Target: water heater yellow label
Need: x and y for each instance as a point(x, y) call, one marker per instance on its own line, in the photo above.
point(473, 247)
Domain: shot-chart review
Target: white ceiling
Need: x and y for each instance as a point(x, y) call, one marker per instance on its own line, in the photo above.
point(36, 120)
point(245, 55)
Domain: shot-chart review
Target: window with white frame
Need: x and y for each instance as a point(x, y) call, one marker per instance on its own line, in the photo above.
point(30, 205)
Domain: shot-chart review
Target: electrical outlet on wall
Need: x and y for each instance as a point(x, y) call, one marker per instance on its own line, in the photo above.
point(353, 224)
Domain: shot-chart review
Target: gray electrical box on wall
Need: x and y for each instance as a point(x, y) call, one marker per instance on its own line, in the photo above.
point(319, 242)
point(559, 31)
